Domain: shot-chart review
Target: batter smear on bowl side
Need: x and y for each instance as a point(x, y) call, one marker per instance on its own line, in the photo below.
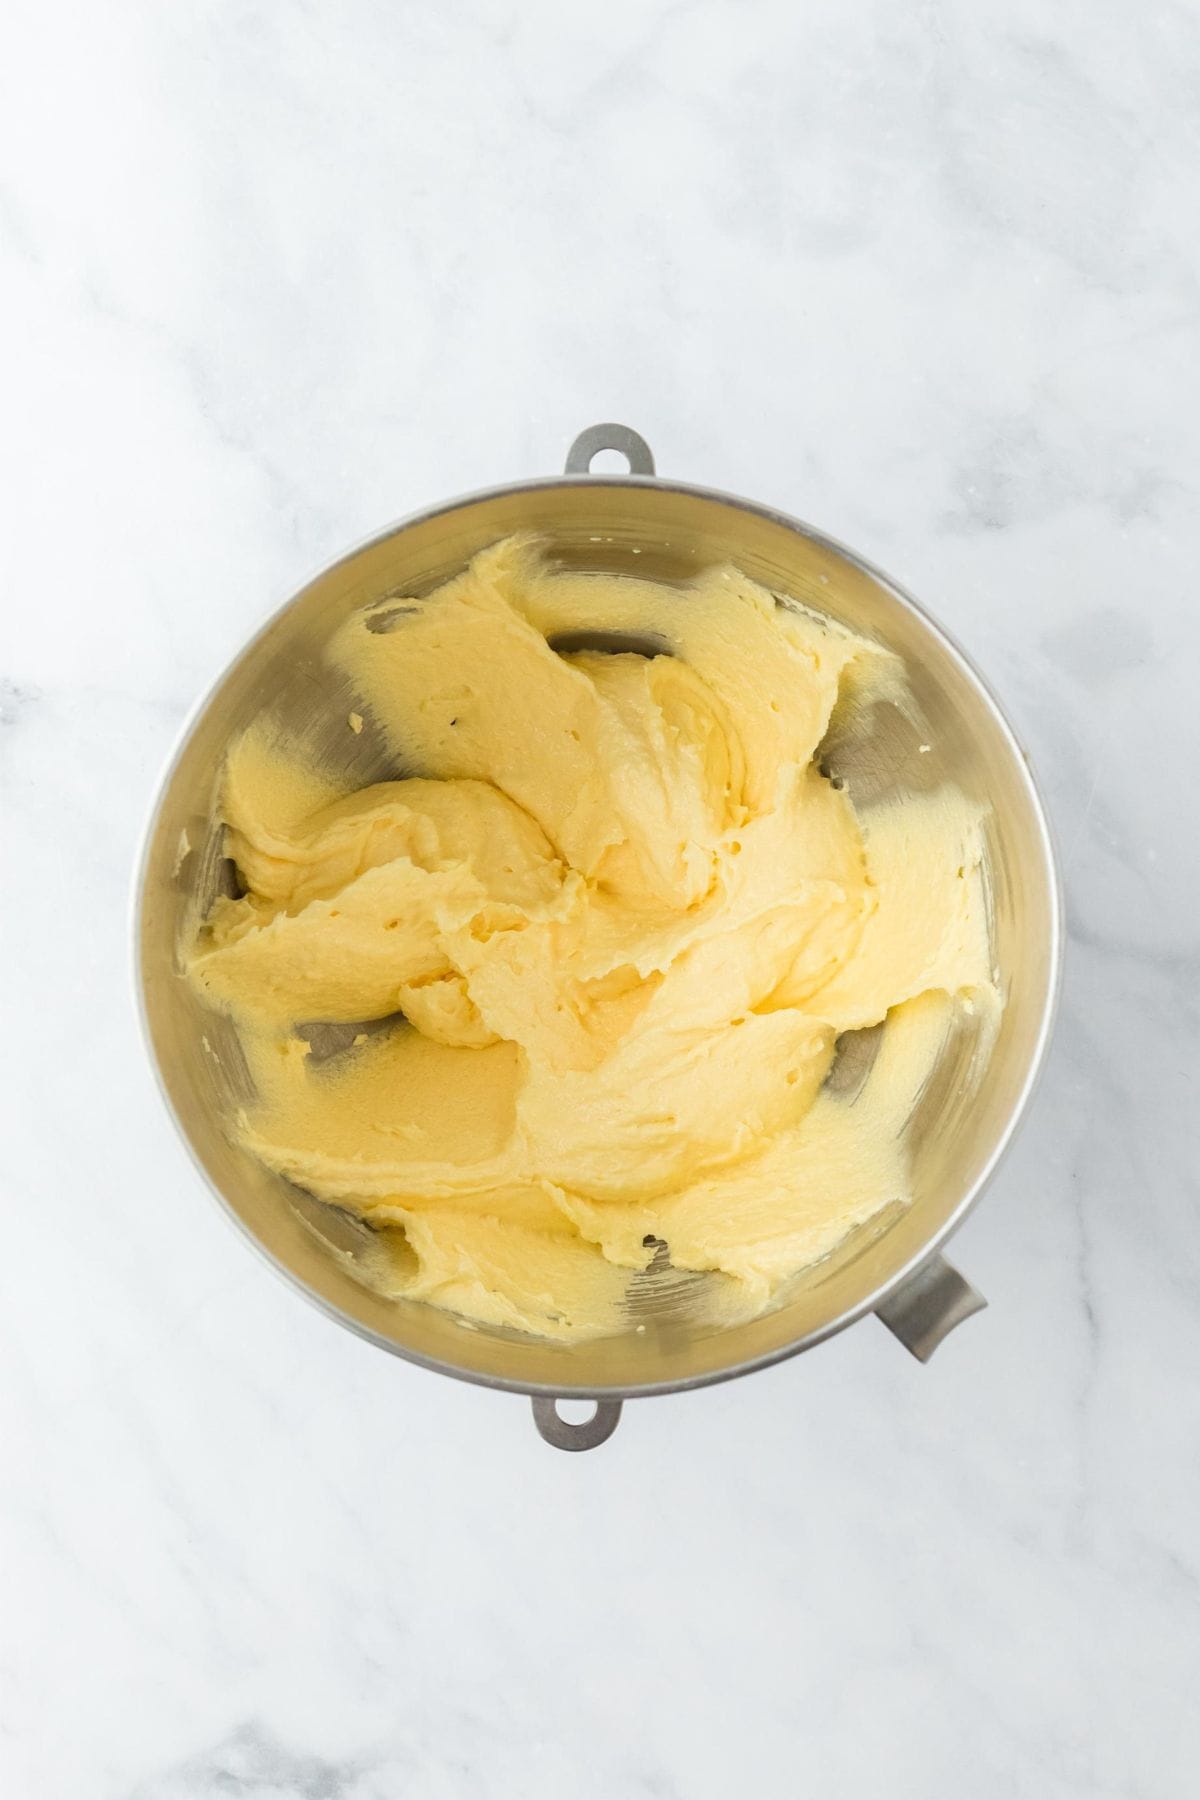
point(615, 927)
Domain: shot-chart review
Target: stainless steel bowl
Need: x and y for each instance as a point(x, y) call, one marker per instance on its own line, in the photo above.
point(665, 530)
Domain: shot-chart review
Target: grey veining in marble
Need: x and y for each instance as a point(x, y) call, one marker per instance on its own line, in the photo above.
point(271, 275)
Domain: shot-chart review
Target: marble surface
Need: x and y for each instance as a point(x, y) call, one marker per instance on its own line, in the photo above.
point(929, 277)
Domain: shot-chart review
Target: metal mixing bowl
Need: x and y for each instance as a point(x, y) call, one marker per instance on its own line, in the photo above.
point(664, 530)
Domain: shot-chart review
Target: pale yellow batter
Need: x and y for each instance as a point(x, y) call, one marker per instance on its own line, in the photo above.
point(624, 918)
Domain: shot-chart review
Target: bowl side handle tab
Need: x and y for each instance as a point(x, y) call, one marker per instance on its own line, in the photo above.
point(926, 1308)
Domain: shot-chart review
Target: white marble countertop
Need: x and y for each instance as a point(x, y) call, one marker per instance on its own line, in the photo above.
point(271, 275)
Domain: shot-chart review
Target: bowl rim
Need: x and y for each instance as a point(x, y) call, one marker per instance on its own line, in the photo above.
point(1033, 1073)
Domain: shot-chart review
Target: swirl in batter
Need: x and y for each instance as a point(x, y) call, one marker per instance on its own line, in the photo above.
point(597, 950)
